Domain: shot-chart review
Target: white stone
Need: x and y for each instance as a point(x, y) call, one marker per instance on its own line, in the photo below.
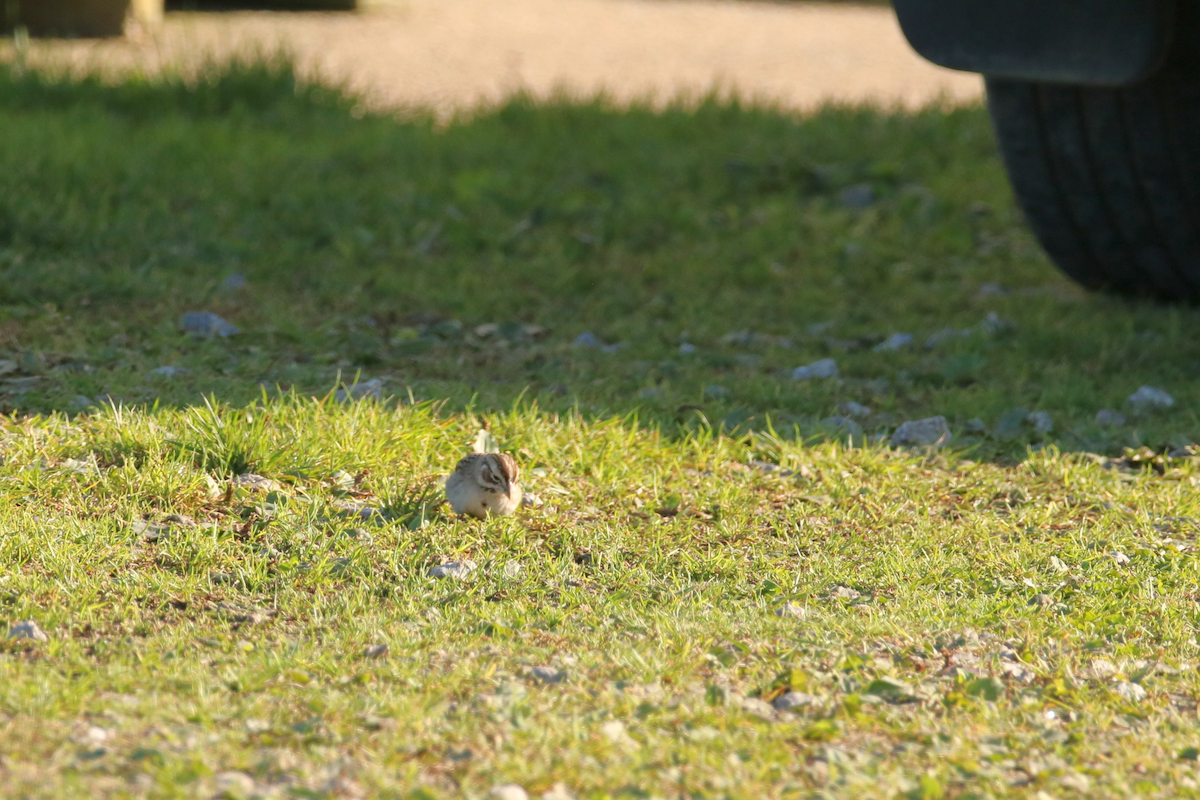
point(508, 791)
point(894, 342)
point(28, 629)
point(825, 368)
point(453, 569)
point(1147, 398)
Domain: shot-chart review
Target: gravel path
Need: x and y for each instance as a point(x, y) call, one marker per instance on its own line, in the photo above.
point(451, 54)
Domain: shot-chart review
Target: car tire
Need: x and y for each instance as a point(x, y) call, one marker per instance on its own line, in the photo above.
point(1109, 178)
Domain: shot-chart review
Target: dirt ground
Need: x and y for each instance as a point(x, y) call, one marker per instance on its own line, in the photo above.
point(454, 54)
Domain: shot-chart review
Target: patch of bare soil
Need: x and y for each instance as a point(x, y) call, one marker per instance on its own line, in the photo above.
point(454, 54)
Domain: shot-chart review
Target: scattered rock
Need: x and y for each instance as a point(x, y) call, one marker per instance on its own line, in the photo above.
point(375, 651)
point(206, 323)
point(558, 791)
point(853, 410)
point(858, 197)
point(791, 610)
point(486, 330)
point(233, 282)
point(716, 392)
point(613, 730)
point(81, 466)
point(1041, 422)
point(241, 614)
point(1101, 669)
point(512, 569)
point(932, 431)
point(687, 347)
point(27, 629)
point(894, 342)
point(372, 388)
point(845, 593)
point(453, 569)
point(149, 531)
point(1041, 599)
point(1133, 692)
point(169, 371)
point(650, 393)
point(790, 700)
point(1147, 398)
point(825, 368)
point(508, 791)
point(587, 339)
point(90, 736)
point(976, 425)
point(1120, 558)
point(531, 500)
point(256, 483)
point(613, 348)
point(233, 785)
point(991, 290)
point(1109, 418)
point(547, 675)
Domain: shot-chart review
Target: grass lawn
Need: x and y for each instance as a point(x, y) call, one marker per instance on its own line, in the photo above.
point(733, 585)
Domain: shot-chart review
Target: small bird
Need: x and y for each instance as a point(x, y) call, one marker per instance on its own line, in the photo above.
point(483, 484)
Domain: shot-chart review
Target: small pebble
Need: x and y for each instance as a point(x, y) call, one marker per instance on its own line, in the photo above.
point(1147, 398)
point(249, 480)
point(169, 371)
point(558, 791)
point(613, 730)
point(1041, 599)
point(786, 702)
point(931, 431)
point(858, 197)
point(976, 425)
point(825, 368)
point(894, 342)
point(508, 791)
point(375, 651)
point(1041, 421)
point(233, 785)
point(1133, 692)
point(547, 675)
point(791, 610)
point(27, 629)
point(206, 323)
point(453, 569)
point(687, 347)
point(586, 339)
point(233, 282)
point(853, 410)
point(372, 388)
point(716, 392)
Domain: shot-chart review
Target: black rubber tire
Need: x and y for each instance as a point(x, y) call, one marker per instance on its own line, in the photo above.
point(1109, 179)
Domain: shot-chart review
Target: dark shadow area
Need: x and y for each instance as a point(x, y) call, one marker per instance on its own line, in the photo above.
point(830, 275)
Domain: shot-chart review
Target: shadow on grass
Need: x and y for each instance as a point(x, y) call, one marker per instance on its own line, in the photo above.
point(677, 264)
